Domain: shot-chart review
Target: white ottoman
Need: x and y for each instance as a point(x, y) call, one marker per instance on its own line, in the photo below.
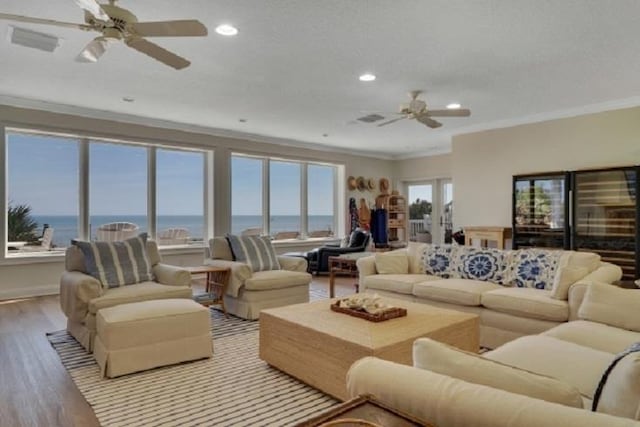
point(144, 335)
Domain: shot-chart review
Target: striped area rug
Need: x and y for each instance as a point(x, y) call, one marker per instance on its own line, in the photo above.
point(234, 388)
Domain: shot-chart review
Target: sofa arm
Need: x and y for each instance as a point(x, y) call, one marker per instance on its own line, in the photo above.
point(293, 263)
point(366, 267)
point(171, 275)
point(428, 396)
point(76, 290)
point(240, 272)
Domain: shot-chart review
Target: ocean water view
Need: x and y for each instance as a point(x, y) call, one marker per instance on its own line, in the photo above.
point(66, 226)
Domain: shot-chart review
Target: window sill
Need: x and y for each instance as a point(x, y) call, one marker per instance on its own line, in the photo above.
point(312, 242)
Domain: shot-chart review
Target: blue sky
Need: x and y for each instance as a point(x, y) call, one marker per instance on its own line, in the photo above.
point(43, 173)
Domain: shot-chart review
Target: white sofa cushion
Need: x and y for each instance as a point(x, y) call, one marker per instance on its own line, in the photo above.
point(565, 277)
point(491, 265)
point(621, 392)
point(535, 268)
point(394, 262)
point(400, 283)
point(612, 306)
point(276, 279)
point(456, 291)
point(565, 361)
point(594, 335)
point(443, 359)
point(527, 302)
point(136, 293)
point(415, 252)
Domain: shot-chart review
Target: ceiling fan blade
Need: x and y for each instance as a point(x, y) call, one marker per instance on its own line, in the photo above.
point(94, 50)
point(392, 121)
point(31, 20)
point(156, 52)
point(450, 113)
point(426, 120)
point(184, 28)
point(93, 8)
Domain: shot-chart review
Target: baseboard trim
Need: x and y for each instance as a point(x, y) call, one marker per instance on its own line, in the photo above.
point(29, 292)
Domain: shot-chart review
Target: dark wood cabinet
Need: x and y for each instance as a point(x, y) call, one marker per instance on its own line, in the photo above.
point(590, 210)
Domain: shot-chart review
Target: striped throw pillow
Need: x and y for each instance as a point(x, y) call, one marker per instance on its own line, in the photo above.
point(117, 264)
point(256, 251)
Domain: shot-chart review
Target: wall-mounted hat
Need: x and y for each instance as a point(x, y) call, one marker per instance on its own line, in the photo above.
point(361, 183)
point(384, 185)
point(351, 183)
point(371, 184)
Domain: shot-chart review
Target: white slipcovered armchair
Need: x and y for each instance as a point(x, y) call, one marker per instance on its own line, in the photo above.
point(81, 295)
point(250, 291)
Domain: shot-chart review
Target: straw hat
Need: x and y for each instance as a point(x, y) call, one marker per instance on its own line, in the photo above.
point(361, 184)
point(351, 183)
point(384, 185)
point(371, 183)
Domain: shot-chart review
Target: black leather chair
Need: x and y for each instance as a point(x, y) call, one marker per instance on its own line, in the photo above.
point(319, 257)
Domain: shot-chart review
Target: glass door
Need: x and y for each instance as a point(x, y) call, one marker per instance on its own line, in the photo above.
point(430, 211)
point(420, 200)
point(605, 208)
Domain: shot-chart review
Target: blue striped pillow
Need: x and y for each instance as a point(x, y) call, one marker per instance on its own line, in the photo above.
point(256, 251)
point(117, 264)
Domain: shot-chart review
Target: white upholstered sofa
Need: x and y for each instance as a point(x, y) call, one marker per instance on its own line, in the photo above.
point(81, 295)
point(506, 311)
point(251, 291)
point(541, 380)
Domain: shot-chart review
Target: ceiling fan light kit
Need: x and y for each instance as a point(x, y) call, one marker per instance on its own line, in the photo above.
point(118, 24)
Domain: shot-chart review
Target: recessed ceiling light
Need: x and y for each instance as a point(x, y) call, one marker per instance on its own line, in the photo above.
point(226, 30)
point(454, 106)
point(128, 99)
point(367, 77)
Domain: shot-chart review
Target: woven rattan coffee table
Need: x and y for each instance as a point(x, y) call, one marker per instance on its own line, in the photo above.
point(317, 345)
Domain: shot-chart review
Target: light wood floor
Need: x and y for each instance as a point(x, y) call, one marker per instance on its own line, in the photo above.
point(35, 389)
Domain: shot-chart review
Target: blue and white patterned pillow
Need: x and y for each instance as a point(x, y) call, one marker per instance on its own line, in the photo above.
point(535, 268)
point(490, 265)
point(438, 260)
point(117, 264)
point(256, 251)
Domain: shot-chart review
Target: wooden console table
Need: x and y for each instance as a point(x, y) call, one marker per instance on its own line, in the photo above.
point(216, 281)
point(486, 234)
point(344, 264)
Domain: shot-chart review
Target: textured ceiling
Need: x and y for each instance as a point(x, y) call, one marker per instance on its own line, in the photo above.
point(292, 72)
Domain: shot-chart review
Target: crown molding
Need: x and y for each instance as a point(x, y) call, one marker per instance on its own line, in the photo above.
point(34, 104)
point(618, 104)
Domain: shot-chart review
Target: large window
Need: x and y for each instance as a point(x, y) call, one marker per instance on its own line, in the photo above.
point(320, 200)
point(61, 188)
point(118, 191)
point(284, 199)
point(294, 210)
point(42, 192)
point(180, 200)
point(246, 195)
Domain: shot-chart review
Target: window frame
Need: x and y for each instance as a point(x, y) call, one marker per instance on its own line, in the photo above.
point(304, 194)
point(84, 171)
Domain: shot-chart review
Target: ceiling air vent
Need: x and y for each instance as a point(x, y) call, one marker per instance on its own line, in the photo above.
point(33, 39)
point(371, 118)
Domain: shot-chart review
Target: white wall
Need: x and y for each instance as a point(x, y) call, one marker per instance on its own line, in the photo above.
point(483, 163)
point(420, 168)
point(42, 277)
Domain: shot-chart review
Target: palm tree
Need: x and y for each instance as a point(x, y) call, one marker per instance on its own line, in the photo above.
point(21, 226)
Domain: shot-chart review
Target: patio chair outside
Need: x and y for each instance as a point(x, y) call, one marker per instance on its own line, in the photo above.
point(283, 235)
point(255, 231)
point(45, 244)
point(173, 236)
point(117, 231)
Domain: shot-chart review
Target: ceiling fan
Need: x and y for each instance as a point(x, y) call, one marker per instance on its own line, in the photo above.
point(417, 109)
point(118, 24)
